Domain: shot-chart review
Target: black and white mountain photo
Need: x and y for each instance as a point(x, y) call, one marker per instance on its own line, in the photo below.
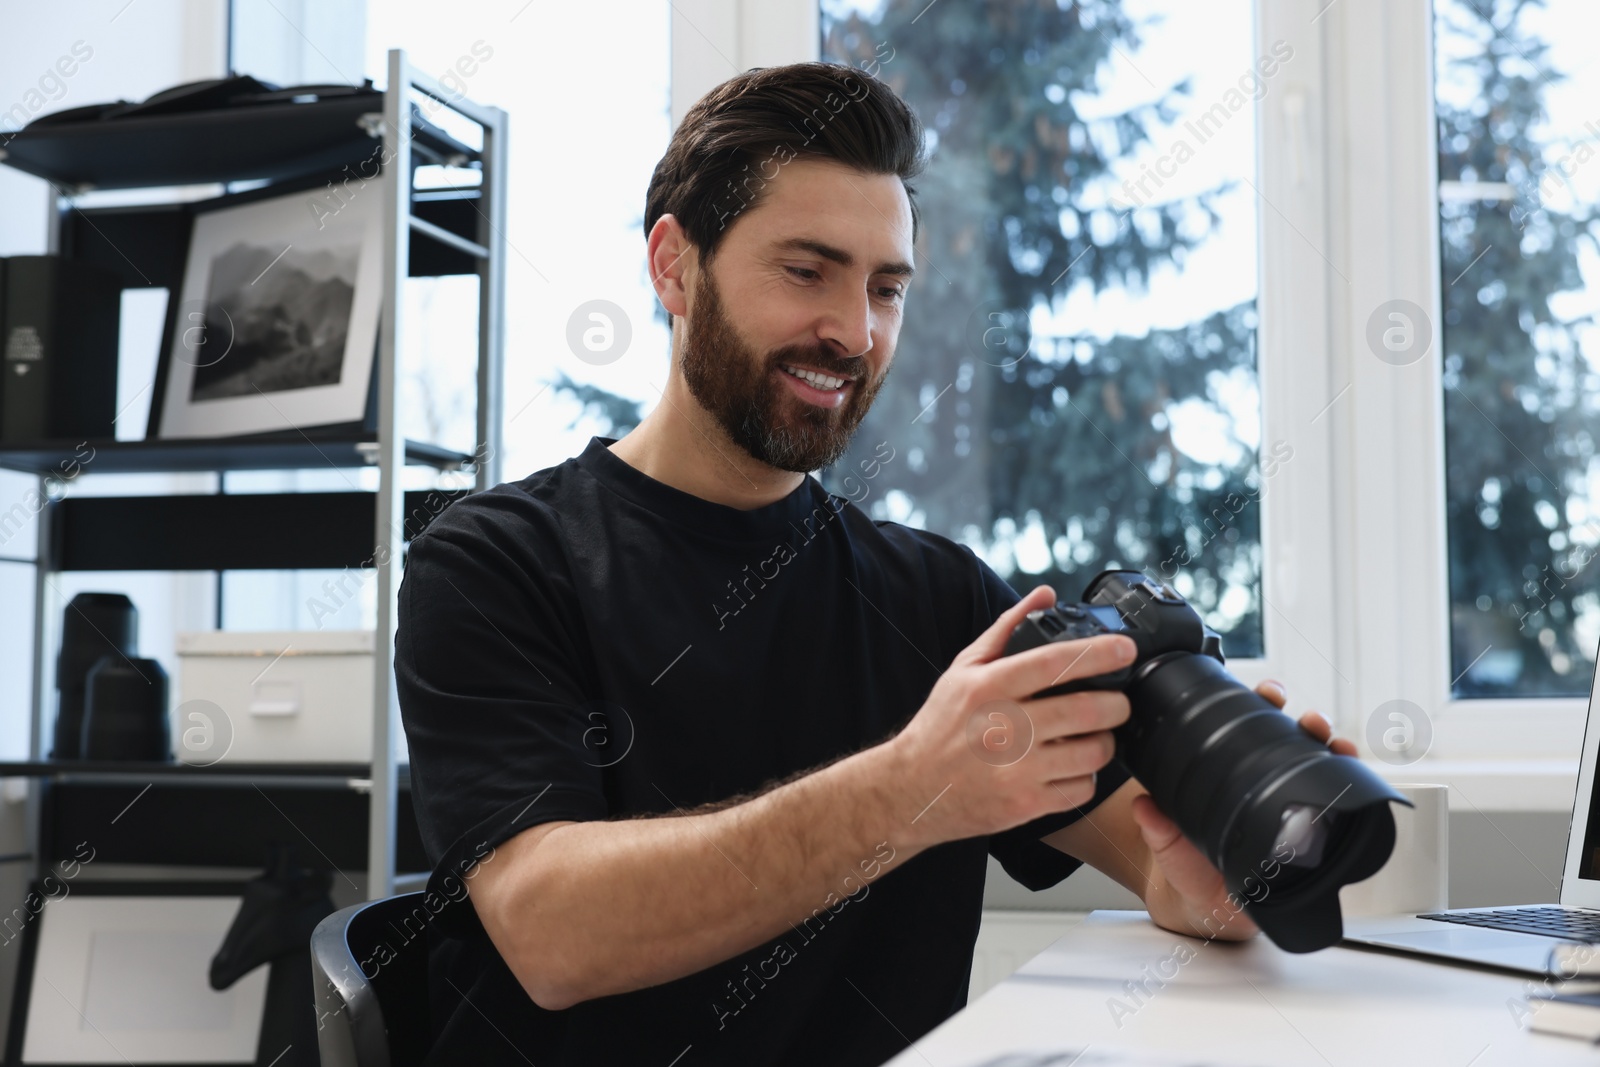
point(284, 315)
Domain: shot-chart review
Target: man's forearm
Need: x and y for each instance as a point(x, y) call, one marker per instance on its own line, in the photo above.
point(1108, 839)
point(608, 907)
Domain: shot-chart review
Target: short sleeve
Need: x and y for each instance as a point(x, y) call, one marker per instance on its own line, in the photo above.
point(487, 668)
point(1020, 851)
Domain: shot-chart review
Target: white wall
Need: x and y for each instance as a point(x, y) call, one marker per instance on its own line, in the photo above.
point(300, 42)
point(115, 51)
point(135, 51)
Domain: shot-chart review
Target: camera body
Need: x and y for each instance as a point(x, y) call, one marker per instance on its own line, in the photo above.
point(1159, 621)
point(1285, 820)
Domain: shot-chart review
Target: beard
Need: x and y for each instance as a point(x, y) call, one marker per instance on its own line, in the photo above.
point(740, 388)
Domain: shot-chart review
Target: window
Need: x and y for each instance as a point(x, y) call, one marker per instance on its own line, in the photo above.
point(1518, 178)
point(1076, 383)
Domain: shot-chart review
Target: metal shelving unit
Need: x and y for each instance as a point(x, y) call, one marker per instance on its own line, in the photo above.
point(489, 251)
point(459, 232)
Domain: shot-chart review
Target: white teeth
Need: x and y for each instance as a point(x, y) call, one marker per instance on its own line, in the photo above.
point(821, 381)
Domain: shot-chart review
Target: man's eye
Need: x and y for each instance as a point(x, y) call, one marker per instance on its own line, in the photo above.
point(891, 293)
point(803, 273)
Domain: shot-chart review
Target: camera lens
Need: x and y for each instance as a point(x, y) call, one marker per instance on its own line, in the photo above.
point(1284, 819)
point(1301, 835)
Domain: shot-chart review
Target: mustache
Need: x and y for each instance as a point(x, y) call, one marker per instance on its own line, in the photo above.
point(820, 358)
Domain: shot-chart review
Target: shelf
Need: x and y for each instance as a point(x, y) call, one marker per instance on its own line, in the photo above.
point(205, 819)
point(228, 531)
point(147, 245)
point(213, 454)
point(361, 815)
point(267, 141)
point(119, 771)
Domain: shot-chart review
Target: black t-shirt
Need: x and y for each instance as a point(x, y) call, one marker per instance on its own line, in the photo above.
point(590, 643)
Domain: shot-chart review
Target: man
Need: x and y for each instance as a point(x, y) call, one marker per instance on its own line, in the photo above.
point(708, 746)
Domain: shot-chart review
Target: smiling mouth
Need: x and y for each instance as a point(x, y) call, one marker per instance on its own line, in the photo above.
point(816, 379)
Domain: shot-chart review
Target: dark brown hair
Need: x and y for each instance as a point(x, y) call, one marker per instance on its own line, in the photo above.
point(734, 141)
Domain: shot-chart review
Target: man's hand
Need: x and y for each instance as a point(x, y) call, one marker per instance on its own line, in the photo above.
point(981, 756)
point(1183, 890)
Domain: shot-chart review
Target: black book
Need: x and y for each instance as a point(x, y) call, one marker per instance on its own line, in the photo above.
point(59, 321)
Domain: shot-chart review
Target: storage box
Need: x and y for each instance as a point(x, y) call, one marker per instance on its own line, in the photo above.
point(290, 696)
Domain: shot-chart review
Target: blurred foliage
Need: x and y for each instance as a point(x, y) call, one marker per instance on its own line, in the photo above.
point(615, 414)
point(1052, 456)
point(1520, 396)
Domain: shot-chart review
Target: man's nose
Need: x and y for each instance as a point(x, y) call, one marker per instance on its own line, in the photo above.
point(849, 326)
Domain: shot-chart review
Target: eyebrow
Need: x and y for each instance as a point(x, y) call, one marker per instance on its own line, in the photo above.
point(840, 256)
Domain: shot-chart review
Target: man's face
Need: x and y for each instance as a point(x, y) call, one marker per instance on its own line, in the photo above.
point(809, 283)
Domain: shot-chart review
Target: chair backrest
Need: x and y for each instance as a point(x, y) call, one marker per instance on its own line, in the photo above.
point(369, 963)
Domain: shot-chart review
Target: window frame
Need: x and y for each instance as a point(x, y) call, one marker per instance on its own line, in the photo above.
point(711, 39)
point(1395, 610)
point(1354, 529)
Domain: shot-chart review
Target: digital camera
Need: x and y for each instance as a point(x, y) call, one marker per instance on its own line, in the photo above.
point(1284, 819)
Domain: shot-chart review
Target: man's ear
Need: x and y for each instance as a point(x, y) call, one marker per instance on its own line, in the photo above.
point(672, 257)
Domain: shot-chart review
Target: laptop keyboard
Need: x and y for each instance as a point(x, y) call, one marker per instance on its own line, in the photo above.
point(1553, 921)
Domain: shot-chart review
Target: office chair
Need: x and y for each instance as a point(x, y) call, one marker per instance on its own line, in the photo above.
point(369, 963)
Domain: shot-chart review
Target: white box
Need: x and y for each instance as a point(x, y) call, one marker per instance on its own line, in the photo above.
point(288, 696)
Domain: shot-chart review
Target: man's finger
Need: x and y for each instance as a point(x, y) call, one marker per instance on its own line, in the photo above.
point(1274, 693)
point(1160, 832)
point(1315, 725)
point(1026, 673)
point(1075, 757)
point(1321, 729)
point(1186, 867)
point(1077, 713)
point(992, 642)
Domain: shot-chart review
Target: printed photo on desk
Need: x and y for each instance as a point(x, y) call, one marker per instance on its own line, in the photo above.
point(276, 323)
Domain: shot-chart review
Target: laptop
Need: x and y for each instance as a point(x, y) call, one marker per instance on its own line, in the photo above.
point(1560, 940)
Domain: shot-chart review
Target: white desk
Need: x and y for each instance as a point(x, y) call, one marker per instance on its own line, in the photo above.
point(1238, 1005)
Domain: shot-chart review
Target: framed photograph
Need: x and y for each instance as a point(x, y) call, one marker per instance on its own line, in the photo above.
point(117, 973)
point(276, 324)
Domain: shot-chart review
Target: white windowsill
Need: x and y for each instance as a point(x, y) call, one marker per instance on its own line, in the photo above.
point(1495, 785)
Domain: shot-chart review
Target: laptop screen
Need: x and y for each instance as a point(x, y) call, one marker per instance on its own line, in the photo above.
point(1589, 858)
point(1580, 877)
